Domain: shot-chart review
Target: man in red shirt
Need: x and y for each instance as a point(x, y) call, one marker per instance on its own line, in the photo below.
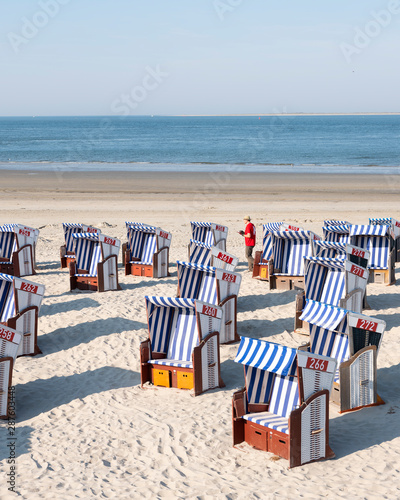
point(249, 240)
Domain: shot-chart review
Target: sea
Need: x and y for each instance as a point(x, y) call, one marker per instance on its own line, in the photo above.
point(365, 144)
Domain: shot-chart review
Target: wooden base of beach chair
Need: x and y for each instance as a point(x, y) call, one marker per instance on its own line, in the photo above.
point(66, 257)
point(261, 268)
point(284, 283)
point(83, 283)
point(139, 270)
point(159, 268)
point(382, 276)
point(7, 267)
point(170, 376)
point(287, 446)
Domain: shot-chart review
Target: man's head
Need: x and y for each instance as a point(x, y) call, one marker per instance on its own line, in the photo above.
point(246, 219)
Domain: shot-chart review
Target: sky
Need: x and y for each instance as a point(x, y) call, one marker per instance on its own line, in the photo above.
point(175, 57)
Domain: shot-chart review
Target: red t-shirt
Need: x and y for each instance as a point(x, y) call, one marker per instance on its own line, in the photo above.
point(250, 228)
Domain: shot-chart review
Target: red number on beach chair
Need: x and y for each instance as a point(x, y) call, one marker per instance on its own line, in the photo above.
point(209, 311)
point(6, 334)
point(220, 228)
point(163, 234)
point(229, 277)
point(358, 253)
point(109, 241)
point(27, 287)
point(24, 232)
point(225, 258)
point(358, 271)
point(317, 364)
point(367, 325)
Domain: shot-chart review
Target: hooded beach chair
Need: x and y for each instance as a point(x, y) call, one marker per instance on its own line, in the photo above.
point(147, 251)
point(9, 345)
point(208, 255)
point(353, 339)
point(20, 302)
point(96, 264)
point(284, 407)
point(378, 240)
point(286, 266)
point(18, 249)
point(210, 234)
point(183, 346)
point(262, 265)
point(337, 282)
point(395, 226)
point(215, 286)
point(67, 253)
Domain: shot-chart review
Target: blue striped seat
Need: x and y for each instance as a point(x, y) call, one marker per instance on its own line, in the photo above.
point(270, 420)
point(7, 301)
point(88, 254)
point(142, 243)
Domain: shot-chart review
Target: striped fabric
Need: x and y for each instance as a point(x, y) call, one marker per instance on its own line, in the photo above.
point(8, 241)
point(172, 362)
point(184, 336)
point(170, 301)
point(190, 279)
point(259, 384)
point(338, 233)
point(289, 249)
point(285, 396)
point(334, 287)
point(267, 243)
point(142, 242)
point(324, 315)
point(330, 249)
point(6, 290)
point(83, 250)
point(380, 221)
point(69, 229)
point(270, 420)
point(208, 289)
point(96, 258)
point(200, 253)
point(329, 343)
point(325, 280)
point(376, 240)
point(201, 231)
point(335, 222)
point(266, 356)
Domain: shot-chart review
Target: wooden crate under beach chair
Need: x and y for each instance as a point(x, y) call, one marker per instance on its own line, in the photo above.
point(147, 251)
point(96, 264)
point(215, 286)
point(9, 346)
point(20, 302)
point(284, 407)
point(333, 281)
point(183, 346)
point(353, 339)
point(209, 233)
point(18, 249)
point(67, 252)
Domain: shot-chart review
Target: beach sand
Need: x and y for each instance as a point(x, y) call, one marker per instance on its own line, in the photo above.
point(85, 427)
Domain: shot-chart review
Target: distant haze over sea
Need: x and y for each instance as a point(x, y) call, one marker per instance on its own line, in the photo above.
point(254, 143)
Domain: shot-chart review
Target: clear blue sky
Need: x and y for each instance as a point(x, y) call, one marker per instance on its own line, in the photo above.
point(99, 57)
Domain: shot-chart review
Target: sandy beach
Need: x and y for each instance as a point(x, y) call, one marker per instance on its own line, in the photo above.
point(85, 427)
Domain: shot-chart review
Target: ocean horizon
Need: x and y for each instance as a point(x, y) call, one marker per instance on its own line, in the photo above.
point(321, 143)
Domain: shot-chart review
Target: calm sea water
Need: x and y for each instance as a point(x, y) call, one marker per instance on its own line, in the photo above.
point(365, 144)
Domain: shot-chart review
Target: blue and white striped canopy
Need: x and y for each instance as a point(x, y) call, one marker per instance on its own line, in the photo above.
point(272, 226)
point(267, 356)
point(141, 227)
point(171, 301)
point(369, 230)
point(329, 262)
point(382, 221)
point(341, 229)
point(201, 244)
point(334, 222)
point(198, 267)
point(201, 224)
point(292, 235)
point(71, 225)
point(6, 228)
point(337, 245)
point(6, 277)
point(88, 236)
point(324, 315)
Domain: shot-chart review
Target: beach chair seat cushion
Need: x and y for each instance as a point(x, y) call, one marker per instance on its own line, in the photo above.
point(86, 275)
point(140, 262)
point(172, 362)
point(270, 420)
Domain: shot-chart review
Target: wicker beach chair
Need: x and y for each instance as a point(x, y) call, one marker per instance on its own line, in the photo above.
point(262, 258)
point(183, 346)
point(337, 282)
point(208, 255)
point(147, 251)
point(284, 407)
point(215, 286)
point(96, 264)
point(20, 302)
point(67, 253)
point(379, 241)
point(395, 226)
point(210, 234)
point(18, 249)
point(353, 339)
point(9, 346)
point(286, 265)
